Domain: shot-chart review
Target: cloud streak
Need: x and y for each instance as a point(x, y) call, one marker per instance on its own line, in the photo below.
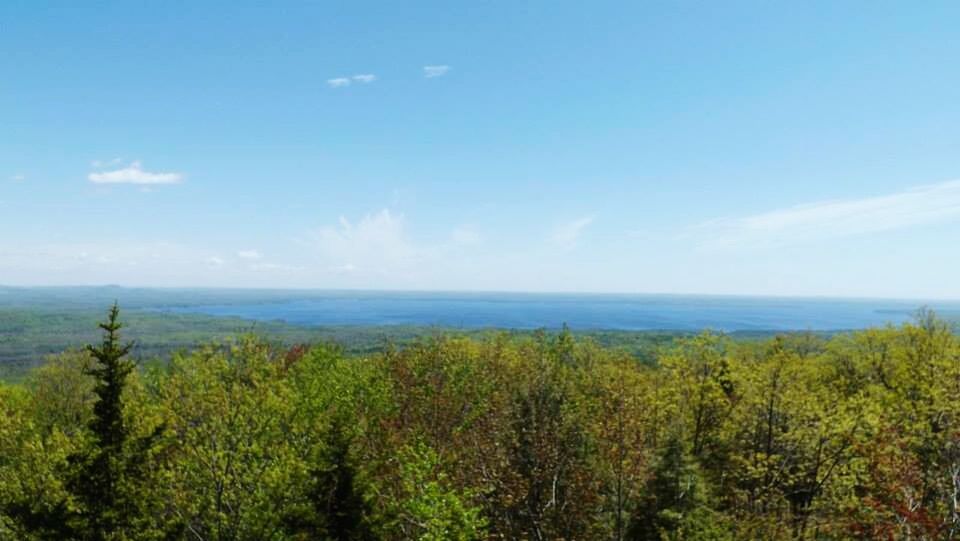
point(922, 205)
point(134, 174)
point(249, 254)
point(435, 71)
point(362, 78)
point(567, 235)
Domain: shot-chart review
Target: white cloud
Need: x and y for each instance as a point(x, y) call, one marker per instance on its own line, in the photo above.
point(214, 262)
point(134, 174)
point(364, 78)
point(381, 250)
point(831, 219)
point(435, 71)
point(377, 243)
point(249, 254)
point(568, 235)
point(18, 177)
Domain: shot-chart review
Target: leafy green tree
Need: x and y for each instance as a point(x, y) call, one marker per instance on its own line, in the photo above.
point(552, 492)
point(234, 467)
point(427, 508)
point(33, 503)
point(515, 436)
point(619, 404)
point(61, 393)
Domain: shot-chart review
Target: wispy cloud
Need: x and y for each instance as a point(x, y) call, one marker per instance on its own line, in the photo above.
point(249, 254)
point(19, 177)
point(362, 78)
point(134, 174)
point(567, 235)
point(831, 219)
point(376, 243)
point(435, 71)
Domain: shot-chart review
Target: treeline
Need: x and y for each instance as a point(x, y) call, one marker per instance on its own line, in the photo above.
point(29, 334)
point(543, 437)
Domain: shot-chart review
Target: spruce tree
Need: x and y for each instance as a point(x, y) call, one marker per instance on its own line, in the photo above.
point(97, 484)
point(338, 510)
point(105, 480)
point(337, 494)
point(675, 505)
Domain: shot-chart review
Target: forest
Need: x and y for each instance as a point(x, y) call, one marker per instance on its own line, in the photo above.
point(540, 436)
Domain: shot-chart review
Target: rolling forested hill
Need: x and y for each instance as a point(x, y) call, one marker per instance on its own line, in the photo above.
point(539, 435)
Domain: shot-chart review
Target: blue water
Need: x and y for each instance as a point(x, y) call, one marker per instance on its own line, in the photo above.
point(526, 311)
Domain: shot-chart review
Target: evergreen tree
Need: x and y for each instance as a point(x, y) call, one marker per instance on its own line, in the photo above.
point(105, 500)
point(101, 469)
point(675, 506)
point(337, 493)
point(338, 509)
point(565, 346)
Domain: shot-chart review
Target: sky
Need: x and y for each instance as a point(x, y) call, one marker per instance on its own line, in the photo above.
point(757, 148)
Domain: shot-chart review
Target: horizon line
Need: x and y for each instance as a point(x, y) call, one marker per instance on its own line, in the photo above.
point(489, 292)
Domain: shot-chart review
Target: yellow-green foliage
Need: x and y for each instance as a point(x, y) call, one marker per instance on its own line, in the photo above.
point(534, 437)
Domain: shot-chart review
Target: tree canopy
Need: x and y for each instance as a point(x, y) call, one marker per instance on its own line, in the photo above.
point(538, 437)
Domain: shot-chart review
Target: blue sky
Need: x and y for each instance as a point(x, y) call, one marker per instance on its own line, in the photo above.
point(806, 148)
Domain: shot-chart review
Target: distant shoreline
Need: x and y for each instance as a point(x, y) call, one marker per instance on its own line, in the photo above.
point(5, 288)
point(503, 310)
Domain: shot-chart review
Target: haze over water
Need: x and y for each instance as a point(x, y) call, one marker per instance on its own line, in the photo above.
point(580, 311)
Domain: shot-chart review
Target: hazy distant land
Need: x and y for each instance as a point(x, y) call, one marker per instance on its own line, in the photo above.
point(35, 322)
